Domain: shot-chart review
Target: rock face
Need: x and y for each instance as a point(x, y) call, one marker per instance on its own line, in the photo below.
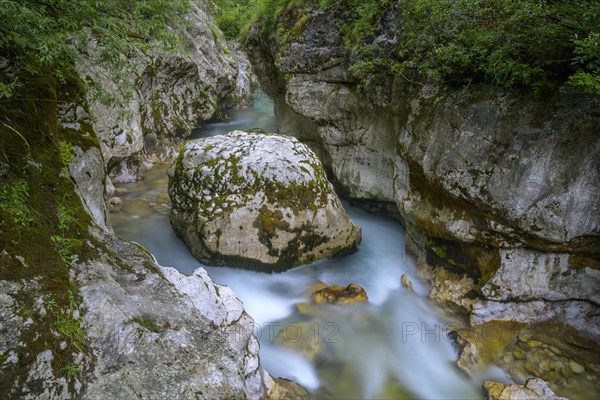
point(499, 188)
point(155, 333)
point(172, 94)
point(256, 200)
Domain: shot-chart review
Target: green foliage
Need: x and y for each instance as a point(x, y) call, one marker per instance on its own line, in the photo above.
point(70, 327)
point(65, 217)
point(525, 43)
point(235, 16)
point(50, 304)
point(533, 44)
point(44, 37)
point(71, 370)
point(66, 154)
point(66, 247)
point(13, 201)
point(364, 15)
point(587, 57)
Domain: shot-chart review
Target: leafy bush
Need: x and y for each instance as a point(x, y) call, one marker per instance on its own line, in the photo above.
point(531, 44)
point(234, 17)
point(524, 43)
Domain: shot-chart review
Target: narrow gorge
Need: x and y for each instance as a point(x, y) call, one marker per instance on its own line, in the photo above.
point(284, 199)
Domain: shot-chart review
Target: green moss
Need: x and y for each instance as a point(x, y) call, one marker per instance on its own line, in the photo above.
point(148, 323)
point(53, 209)
point(478, 261)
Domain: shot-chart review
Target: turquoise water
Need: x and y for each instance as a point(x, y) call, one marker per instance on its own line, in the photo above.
point(395, 346)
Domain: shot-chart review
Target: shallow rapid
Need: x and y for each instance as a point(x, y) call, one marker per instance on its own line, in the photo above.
point(396, 346)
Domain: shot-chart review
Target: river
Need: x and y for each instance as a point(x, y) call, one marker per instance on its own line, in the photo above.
point(396, 346)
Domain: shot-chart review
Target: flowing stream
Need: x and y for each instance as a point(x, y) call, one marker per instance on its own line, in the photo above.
point(396, 346)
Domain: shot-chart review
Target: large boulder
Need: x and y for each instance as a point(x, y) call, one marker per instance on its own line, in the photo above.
point(257, 201)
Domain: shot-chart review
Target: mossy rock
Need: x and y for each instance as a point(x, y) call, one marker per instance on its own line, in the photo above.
point(256, 200)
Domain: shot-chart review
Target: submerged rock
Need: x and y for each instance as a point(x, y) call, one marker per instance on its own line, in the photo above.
point(137, 208)
point(257, 201)
point(406, 282)
point(338, 295)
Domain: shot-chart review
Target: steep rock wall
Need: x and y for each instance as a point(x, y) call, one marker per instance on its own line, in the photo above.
point(498, 186)
point(171, 94)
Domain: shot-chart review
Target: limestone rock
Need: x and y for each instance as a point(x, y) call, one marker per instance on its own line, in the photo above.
point(504, 173)
point(87, 171)
point(115, 204)
point(525, 274)
point(532, 390)
point(172, 94)
point(285, 389)
point(154, 333)
point(256, 200)
point(340, 295)
point(246, 81)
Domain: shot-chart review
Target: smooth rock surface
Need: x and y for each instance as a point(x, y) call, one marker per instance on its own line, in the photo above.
point(87, 171)
point(256, 200)
point(155, 333)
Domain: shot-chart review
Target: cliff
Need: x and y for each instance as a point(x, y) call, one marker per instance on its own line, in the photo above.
point(498, 189)
point(84, 314)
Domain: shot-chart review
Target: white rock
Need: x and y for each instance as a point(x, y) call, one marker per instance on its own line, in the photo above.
point(259, 200)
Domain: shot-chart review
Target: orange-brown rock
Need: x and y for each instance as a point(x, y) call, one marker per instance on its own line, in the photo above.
point(339, 295)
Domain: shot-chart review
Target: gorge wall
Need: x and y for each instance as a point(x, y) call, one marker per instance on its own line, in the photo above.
point(168, 94)
point(498, 190)
point(84, 314)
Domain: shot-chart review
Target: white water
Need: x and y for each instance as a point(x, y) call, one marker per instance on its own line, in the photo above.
point(392, 342)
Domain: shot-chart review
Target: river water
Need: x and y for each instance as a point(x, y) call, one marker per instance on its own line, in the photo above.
point(396, 346)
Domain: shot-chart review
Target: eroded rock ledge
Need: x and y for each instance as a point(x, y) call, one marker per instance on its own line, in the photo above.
point(256, 200)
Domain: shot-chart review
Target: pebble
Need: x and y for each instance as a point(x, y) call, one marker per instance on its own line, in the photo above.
point(576, 368)
point(555, 350)
point(519, 355)
point(508, 358)
point(567, 373)
point(545, 365)
point(529, 367)
point(534, 343)
point(519, 375)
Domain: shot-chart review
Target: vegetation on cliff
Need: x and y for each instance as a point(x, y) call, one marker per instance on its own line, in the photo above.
point(533, 44)
point(43, 224)
point(41, 38)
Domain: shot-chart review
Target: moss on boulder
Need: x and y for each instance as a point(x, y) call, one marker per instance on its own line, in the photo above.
point(258, 201)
